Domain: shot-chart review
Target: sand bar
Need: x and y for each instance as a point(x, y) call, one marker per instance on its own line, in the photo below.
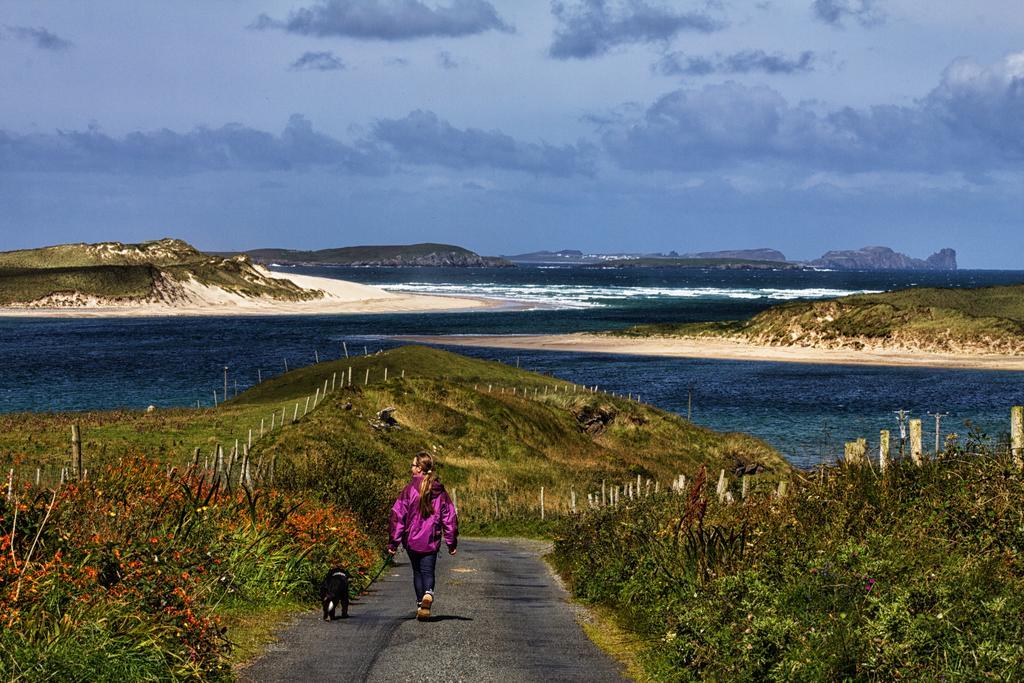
point(340, 296)
point(728, 349)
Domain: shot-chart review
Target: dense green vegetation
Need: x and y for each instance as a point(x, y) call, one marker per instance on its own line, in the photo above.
point(984, 319)
point(108, 282)
point(915, 575)
point(322, 486)
point(150, 271)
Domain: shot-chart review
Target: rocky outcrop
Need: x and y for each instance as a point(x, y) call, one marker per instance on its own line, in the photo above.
point(884, 258)
point(944, 259)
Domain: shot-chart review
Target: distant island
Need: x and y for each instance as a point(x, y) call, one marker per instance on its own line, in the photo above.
point(710, 263)
point(171, 277)
point(884, 258)
point(867, 258)
point(397, 255)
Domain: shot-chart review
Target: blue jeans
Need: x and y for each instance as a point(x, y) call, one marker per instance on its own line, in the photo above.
point(422, 571)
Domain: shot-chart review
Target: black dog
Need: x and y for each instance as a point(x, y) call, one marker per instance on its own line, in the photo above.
point(334, 592)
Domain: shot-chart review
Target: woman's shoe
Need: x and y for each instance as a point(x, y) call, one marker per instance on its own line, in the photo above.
point(423, 613)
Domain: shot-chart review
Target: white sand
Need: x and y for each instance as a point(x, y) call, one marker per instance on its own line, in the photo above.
point(728, 349)
point(195, 299)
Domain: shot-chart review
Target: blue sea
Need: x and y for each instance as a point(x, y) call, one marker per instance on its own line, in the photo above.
point(806, 411)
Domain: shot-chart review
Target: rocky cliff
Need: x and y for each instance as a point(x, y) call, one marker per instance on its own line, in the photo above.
point(884, 258)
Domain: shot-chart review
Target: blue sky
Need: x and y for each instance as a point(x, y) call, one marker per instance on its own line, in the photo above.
point(604, 125)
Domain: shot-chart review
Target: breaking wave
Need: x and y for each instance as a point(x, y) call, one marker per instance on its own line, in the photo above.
point(584, 296)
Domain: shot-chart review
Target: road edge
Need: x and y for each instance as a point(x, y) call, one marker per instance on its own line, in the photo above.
point(602, 629)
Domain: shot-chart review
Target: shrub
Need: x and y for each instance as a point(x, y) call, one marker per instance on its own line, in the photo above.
point(915, 575)
point(121, 576)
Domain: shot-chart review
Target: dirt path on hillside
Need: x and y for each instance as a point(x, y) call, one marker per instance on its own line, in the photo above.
point(499, 616)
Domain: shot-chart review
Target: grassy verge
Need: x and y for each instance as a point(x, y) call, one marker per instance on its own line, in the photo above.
point(918, 575)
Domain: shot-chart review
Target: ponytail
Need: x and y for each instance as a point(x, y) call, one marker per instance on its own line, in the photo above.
point(426, 464)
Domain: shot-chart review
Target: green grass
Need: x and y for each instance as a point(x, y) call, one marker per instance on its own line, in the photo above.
point(494, 442)
point(158, 253)
point(985, 319)
point(489, 442)
point(19, 285)
point(133, 272)
point(917, 575)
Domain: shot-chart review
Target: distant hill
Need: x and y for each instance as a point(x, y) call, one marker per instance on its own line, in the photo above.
point(166, 271)
point(745, 254)
point(884, 258)
point(717, 263)
point(564, 256)
point(738, 258)
point(425, 254)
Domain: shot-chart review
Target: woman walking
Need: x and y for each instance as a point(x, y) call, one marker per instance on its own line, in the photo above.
point(421, 516)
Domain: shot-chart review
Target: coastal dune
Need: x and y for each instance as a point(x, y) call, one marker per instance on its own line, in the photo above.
point(730, 349)
point(193, 298)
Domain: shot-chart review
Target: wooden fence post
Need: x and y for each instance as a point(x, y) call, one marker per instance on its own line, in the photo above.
point(76, 449)
point(367, 380)
point(1017, 435)
point(783, 487)
point(542, 503)
point(349, 374)
point(883, 450)
point(722, 488)
point(572, 499)
point(10, 485)
point(916, 453)
point(855, 452)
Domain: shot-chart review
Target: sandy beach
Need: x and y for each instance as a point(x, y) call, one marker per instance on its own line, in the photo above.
point(727, 349)
point(340, 296)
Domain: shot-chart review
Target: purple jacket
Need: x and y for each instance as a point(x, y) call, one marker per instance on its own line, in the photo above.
point(423, 535)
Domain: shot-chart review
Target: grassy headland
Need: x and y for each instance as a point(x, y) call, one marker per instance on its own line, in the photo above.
point(425, 254)
point(159, 271)
point(976, 320)
point(146, 529)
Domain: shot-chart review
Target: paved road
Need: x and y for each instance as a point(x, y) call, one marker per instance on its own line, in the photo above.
point(499, 616)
